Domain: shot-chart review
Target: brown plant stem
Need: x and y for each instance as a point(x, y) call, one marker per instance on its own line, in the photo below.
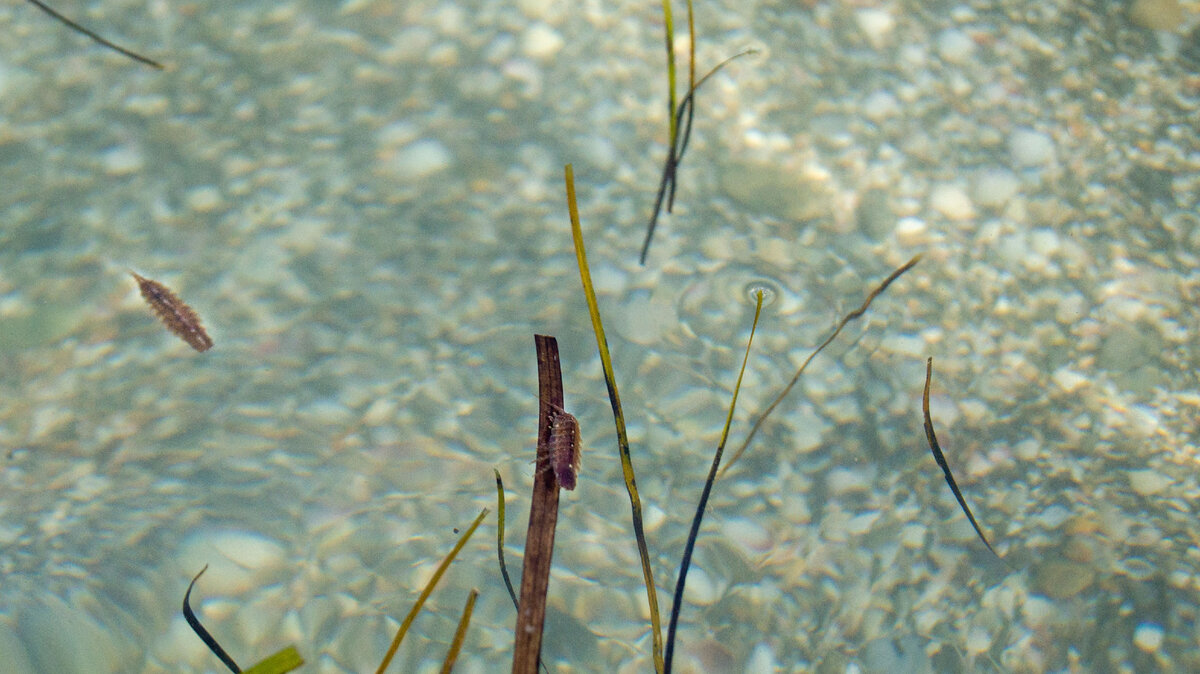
point(543, 517)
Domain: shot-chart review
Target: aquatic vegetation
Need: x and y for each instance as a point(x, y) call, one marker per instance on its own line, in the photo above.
point(460, 632)
point(281, 662)
point(677, 603)
point(500, 537)
point(543, 516)
point(680, 117)
point(614, 398)
point(97, 38)
point(857, 313)
point(199, 629)
point(557, 457)
point(289, 659)
point(428, 590)
point(941, 458)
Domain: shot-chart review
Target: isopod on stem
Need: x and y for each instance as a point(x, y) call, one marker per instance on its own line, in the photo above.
point(565, 446)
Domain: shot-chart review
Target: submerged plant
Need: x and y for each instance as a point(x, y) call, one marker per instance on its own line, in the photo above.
point(97, 38)
point(614, 398)
point(437, 575)
point(680, 117)
point(677, 603)
point(289, 659)
point(857, 313)
point(281, 662)
point(941, 458)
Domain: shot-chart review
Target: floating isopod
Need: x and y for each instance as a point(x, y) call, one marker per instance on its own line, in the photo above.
point(174, 312)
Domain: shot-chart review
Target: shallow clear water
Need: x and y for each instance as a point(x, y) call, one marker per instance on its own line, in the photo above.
point(364, 203)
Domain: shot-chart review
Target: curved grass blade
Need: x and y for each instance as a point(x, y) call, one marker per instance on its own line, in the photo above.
point(669, 34)
point(635, 502)
point(682, 119)
point(500, 536)
point(461, 632)
point(796, 377)
point(437, 575)
point(282, 662)
point(94, 36)
point(703, 504)
point(203, 633)
point(941, 458)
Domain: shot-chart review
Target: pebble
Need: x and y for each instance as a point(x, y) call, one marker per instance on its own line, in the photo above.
point(204, 199)
point(703, 589)
point(1069, 380)
point(1148, 637)
point(876, 24)
point(952, 201)
point(809, 430)
point(239, 560)
point(1157, 14)
point(420, 160)
point(750, 535)
point(1059, 580)
point(1030, 148)
point(978, 640)
point(880, 105)
point(955, 46)
point(911, 231)
point(1148, 482)
point(762, 659)
point(848, 480)
point(122, 160)
point(994, 187)
point(861, 524)
point(541, 42)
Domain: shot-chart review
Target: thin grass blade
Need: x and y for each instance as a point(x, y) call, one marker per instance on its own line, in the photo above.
point(684, 565)
point(941, 458)
point(207, 638)
point(796, 377)
point(95, 37)
point(635, 502)
point(460, 633)
point(437, 575)
point(500, 536)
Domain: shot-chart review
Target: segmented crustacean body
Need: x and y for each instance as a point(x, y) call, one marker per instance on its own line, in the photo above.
point(565, 447)
point(174, 312)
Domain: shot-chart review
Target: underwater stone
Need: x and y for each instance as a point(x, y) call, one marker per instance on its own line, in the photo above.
point(122, 160)
point(16, 660)
point(994, 187)
point(952, 202)
point(880, 105)
point(766, 188)
point(876, 24)
point(419, 160)
point(541, 42)
point(1060, 580)
point(204, 199)
point(1148, 482)
point(1156, 14)
point(1030, 148)
point(911, 231)
point(955, 46)
point(1148, 637)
